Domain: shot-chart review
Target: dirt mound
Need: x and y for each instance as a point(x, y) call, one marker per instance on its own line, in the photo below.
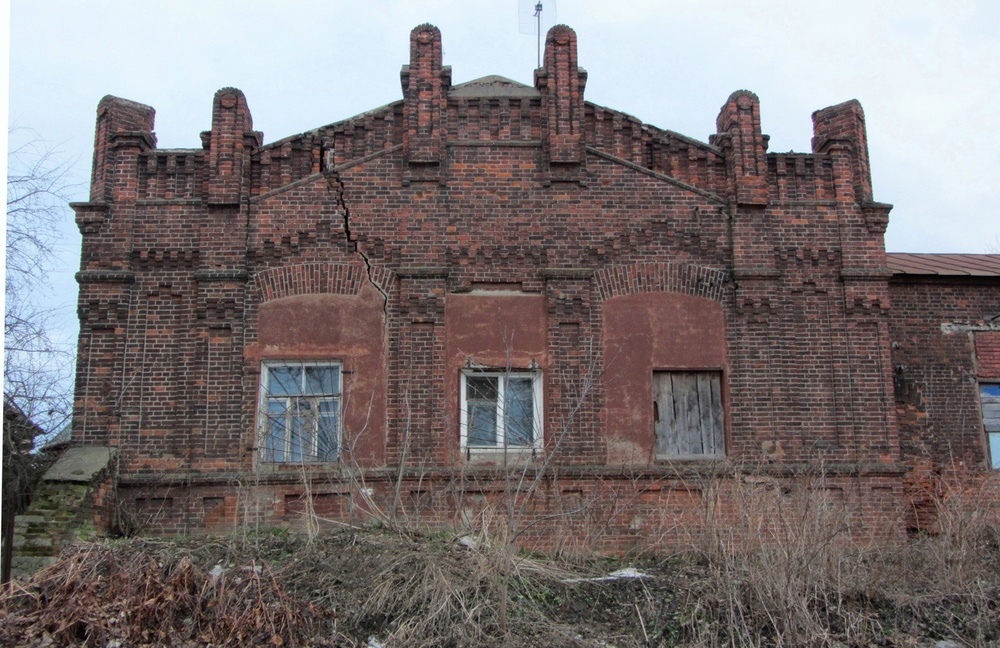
point(343, 589)
point(383, 588)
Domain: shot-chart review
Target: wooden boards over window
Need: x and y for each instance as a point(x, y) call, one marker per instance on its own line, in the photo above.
point(687, 414)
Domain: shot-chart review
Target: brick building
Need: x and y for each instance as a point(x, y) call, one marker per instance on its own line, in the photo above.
point(494, 292)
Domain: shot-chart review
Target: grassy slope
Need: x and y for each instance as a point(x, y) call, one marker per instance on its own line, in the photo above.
point(408, 589)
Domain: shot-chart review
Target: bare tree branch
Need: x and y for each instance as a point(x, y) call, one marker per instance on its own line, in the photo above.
point(38, 368)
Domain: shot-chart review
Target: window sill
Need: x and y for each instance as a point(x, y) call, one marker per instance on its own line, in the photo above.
point(289, 466)
point(499, 455)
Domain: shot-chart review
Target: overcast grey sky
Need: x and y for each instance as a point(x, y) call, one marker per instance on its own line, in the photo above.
point(926, 71)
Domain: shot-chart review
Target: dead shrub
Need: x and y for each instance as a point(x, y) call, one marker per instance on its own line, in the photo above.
point(785, 563)
point(139, 593)
point(948, 582)
point(964, 547)
point(458, 592)
point(779, 563)
point(438, 598)
point(778, 556)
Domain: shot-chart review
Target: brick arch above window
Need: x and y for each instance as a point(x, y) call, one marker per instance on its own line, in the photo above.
point(683, 278)
point(319, 278)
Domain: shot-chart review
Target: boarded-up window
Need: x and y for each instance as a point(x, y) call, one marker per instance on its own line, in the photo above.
point(989, 396)
point(687, 414)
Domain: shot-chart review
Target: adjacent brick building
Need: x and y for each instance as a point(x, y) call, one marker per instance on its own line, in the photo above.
point(492, 292)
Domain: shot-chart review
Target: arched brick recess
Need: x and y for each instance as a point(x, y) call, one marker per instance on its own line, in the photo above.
point(319, 278)
point(687, 279)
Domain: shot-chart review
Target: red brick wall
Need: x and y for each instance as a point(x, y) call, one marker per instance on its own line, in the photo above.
point(941, 348)
point(582, 510)
point(366, 240)
point(493, 328)
point(649, 332)
point(324, 326)
point(988, 353)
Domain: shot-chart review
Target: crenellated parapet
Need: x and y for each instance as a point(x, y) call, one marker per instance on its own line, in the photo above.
point(800, 177)
point(172, 175)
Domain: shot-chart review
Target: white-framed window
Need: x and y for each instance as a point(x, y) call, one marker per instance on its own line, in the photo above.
point(501, 410)
point(989, 398)
point(688, 419)
point(300, 411)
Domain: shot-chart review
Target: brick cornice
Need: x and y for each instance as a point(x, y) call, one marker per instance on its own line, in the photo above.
point(567, 273)
point(221, 275)
point(105, 276)
point(422, 272)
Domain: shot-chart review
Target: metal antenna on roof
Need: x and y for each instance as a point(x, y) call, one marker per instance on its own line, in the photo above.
point(538, 28)
point(530, 19)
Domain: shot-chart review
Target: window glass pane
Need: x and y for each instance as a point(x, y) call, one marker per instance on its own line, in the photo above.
point(298, 442)
point(274, 446)
point(328, 427)
point(481, 401)
point(301, 417)
point(284, 380)
point(482, 388)
point(482, 423)
point(519, 412)
point(322, 380)
point(303, 428)
point(989, 396)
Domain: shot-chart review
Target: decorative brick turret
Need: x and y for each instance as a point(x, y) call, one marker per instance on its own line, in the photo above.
point(123, 133)
point(843, 125)
point(124, 129)
point(425, 97)
point(229, 144)
point(839, 131)
point(740, 135)
point(561, 83)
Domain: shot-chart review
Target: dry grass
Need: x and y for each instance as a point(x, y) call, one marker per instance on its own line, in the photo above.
point(145, 593)
point(778, 564)
point(333, 590)
point(787, 565)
